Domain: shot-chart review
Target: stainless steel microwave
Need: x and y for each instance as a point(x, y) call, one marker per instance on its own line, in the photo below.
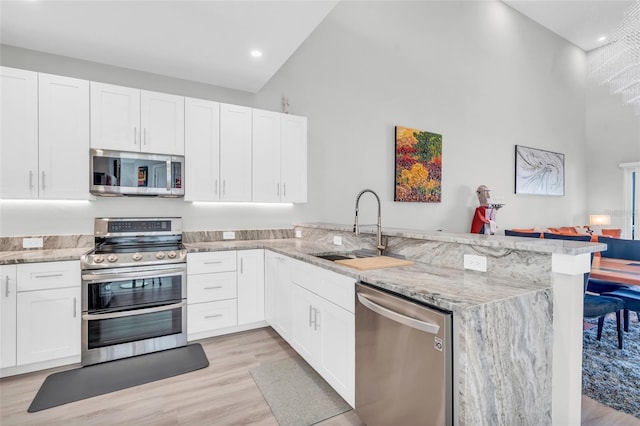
point(117, 173)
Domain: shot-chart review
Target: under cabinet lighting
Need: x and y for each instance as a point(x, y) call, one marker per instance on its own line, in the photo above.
point(241, 204)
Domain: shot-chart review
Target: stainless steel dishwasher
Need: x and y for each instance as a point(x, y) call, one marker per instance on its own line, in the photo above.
point(403, 361)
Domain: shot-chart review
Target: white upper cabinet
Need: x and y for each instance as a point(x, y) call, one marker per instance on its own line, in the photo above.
point(128, 119)
point(45, 136)
point(64, 137)
point(235, 152)
point(162, 122)
point(202, 150)
point(267, 185)
point(115, 117)
point(279, 157)
point(19, 143)
point(293, 158)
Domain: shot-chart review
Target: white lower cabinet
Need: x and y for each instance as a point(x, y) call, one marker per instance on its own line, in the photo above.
point(41, 311)
point(250, 286)
point(313, 310)
point(278, 294)
point(8, 307)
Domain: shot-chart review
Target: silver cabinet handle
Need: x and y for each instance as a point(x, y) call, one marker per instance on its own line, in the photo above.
point(278, 189)
point(144, 136)
point(316, 323)
point(135, 135)
point(75, 307)
point(284, 189)
point(399, 318)
point(48, 276)
point(212, 316)
point(213, 262)
point(241, 265)
point(169, 175)
point(216, 287)
point(310, 315)
point(30, 179)
point(43, 180)
point(134, 312)
point(6, 289)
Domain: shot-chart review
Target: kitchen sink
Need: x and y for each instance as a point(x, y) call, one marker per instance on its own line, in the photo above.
point(355, 254)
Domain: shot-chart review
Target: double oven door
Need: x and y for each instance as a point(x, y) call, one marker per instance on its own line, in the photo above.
point(132, 311)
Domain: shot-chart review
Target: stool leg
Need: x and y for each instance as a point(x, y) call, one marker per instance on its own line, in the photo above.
point(600, 325)
point(626, 320)
point(619, 328)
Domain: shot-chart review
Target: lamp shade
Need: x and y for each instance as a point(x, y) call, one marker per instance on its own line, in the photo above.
point(599, 219)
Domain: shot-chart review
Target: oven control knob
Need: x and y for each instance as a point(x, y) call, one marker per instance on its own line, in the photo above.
point(160, 255)
point(112, 258)
point(172, 254)
point(136, 256)
point(98, 259)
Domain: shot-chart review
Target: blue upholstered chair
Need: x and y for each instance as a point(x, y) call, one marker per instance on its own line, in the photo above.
point(595, 306)
point(618, 248)
point(510, 233)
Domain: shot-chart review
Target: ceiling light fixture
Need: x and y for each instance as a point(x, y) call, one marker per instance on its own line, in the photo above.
point(256, 53)
point(602, 38)
point(618, 62)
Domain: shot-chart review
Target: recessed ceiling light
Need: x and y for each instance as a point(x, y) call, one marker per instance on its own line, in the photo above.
point(602, 38)
point(256, 53)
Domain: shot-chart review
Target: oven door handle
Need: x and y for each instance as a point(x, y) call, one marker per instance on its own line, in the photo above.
point(124, 276)
point(89, 317)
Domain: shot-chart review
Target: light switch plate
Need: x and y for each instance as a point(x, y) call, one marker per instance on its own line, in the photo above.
point(32, 242)
point(228, 235)
point(475, 263)
point(298, 233)
point(337, 240)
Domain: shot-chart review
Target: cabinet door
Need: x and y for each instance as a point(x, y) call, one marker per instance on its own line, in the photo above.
point(162, 122)
point(266, 156)
point(250, 286)
point(293, 165)
point(64, 137)
point(235, 152)
point(202, 150)
point(306, 307)
point(271, 261)
point(115, 117)
point(204, 317)
point(279, 287)
point(8, 290)
point(19, 134)
point(48, 325)
point(336, 357)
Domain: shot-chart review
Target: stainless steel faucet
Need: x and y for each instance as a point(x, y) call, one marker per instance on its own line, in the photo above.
point(356, 228)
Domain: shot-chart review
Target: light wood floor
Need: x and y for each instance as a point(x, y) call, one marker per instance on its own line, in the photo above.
point(222, 394)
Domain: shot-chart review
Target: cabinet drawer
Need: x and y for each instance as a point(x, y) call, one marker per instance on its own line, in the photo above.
point(211, 315)
point(48, 275)
point(211, 287)
point(336, 288)
point(205, 263)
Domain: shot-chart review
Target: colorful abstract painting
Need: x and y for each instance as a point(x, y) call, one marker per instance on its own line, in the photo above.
point(418, 166)
point(539, 172)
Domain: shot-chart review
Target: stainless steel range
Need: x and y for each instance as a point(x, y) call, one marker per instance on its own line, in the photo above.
point(133, 289)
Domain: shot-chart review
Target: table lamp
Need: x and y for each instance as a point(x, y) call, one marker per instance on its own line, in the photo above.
point(599, 219)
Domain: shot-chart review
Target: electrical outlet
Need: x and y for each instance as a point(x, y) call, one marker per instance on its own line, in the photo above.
point(337, 240)
point(475, 263)
point(298, 233)
point(32, 242)
point(228, 235)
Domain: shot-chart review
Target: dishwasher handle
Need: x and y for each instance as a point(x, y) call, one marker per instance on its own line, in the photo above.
point(402, 319)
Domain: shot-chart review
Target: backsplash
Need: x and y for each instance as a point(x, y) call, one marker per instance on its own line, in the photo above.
point(246, 234)
point(48, 241)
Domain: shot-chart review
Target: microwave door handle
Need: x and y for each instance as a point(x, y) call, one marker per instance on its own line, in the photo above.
point(134, 312)
point(169, 175)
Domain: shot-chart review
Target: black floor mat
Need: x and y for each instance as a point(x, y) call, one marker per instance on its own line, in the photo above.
point(86, 382)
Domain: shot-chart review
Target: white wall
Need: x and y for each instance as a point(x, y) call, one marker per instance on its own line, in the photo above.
point(479, 73)
point(613, 137)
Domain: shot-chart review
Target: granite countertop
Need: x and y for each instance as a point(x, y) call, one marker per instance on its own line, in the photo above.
point(39, 255)
point(450, 289)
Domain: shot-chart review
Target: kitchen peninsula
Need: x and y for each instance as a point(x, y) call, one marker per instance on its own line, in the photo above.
point(517, 356)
